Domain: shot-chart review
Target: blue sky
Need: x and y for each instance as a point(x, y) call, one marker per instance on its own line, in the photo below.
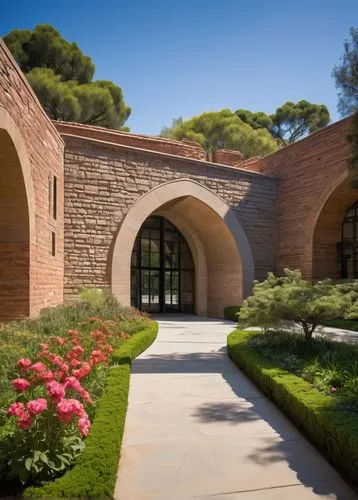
point(180, 58)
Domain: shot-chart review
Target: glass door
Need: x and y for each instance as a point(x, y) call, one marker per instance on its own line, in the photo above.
point(162, 269)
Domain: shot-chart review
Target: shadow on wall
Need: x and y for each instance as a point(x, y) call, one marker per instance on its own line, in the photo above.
point(290, 449)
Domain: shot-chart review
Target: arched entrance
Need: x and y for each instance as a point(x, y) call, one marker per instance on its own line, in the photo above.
point(334, 237)
point(162, 269)
point(16, 221)
point(220, 250)
point(348, 247)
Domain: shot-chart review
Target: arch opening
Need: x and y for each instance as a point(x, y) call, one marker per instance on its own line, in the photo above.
point(333, 235)
point(14, 233)
point(162, 269)
point(218, 245)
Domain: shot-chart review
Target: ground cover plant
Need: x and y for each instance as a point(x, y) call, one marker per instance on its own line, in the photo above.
point(53, 372)
point(331, 367)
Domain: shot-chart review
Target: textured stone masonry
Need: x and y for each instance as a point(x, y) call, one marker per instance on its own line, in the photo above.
point(102, 181)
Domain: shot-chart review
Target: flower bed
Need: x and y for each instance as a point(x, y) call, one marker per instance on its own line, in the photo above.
point(329, 423)
point(56, 387)
point(94, 475)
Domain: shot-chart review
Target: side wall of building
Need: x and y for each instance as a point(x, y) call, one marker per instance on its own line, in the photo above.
point(30, 142)
point(308, 172)
point(102, 181)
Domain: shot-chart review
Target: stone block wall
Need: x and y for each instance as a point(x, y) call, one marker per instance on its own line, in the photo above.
point(103, 180)
point(39, 151)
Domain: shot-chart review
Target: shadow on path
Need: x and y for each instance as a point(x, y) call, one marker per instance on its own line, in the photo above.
point(303, 459)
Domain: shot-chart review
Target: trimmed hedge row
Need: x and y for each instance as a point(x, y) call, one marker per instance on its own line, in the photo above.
point(230, 313)
point(94, 475)
point(330, 427)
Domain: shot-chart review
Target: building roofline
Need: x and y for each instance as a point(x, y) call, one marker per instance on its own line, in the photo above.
point(13, 62)
point(185, 159)
point(322, 131)
point(119, 133)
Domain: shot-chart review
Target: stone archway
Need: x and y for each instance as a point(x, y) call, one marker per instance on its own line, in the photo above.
point(16, 221)
point(221, 251)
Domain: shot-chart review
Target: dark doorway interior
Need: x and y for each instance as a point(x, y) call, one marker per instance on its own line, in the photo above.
point(349, 244)
point(162, 269)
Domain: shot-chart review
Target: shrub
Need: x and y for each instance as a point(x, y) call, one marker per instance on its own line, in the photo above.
point(94, 474)
point(333, 428)
point(52, 393)
point(290, 298)
point(231, 313)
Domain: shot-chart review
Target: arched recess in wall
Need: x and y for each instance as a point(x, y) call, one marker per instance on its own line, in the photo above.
point(17, 220)
point(221, 251)
point(327, 227)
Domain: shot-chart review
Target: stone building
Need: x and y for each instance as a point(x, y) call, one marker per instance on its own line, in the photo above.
point(154, 222)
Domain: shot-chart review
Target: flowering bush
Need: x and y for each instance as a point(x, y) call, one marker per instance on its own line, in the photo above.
point(52, 407)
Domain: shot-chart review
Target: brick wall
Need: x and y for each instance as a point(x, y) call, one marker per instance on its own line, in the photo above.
point(307, 173)
point(40, 158)
point(102, 181)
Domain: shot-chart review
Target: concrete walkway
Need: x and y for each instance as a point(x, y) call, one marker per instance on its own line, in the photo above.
point(197, 428)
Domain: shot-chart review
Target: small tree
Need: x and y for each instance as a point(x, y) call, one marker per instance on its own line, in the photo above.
point(291, 298)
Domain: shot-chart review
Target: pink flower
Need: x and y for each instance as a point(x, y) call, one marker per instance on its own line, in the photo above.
point(24, 420)
point(44, 347)
point(55, 390)
point(82, 372)
point(72, 383)
point(78, 349)
point(96, 357)
point(23, 364)
point(84, 426)
point(333, 390)
point(73, 333)
point(20, 385)
point(37, 406)
point(16, 409)
point(75, 362)
point(67, 408)
point(47, 376)
point(58, 340)
point(38, 367)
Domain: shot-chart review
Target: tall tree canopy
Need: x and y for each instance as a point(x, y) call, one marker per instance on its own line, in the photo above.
point(346, 76)
point(219, 130)
point(62, 78)
point(290, 122)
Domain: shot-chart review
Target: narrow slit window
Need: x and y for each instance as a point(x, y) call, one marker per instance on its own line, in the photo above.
point(54, 198)
point(53, 244)
point(49, 195)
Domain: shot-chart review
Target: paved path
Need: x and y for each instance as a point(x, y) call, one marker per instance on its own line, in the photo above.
point(197, 428)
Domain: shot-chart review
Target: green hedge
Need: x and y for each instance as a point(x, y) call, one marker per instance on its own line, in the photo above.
point(230, 313)
point(345, 324)
point(94, 475)
point(331, 428)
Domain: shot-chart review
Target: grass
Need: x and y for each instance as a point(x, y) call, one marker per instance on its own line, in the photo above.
point(94, 475)
point(329, 420)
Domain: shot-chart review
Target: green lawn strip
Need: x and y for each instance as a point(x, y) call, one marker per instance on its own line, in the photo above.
point(94, 475)
point(345, 324)
point(334, 430)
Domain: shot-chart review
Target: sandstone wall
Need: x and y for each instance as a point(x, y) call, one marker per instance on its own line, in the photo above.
point(308, 172)
point(37, 278)
point(102, 181)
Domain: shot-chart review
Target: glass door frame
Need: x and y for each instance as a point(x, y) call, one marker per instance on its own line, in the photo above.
point(162, 269)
